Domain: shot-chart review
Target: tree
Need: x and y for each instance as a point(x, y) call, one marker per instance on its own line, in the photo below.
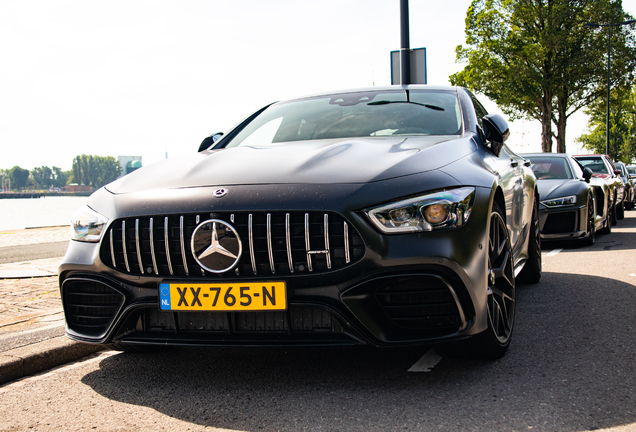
point(60, 178)
point(45, 177)
point(42, 177)
point(536, 60)
point(622, 125)
point(95, 171)
point(19, 177)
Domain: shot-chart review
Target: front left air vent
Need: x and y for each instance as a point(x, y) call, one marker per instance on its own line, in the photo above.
point(90, 306)
point(274, 243)
point(421, 302)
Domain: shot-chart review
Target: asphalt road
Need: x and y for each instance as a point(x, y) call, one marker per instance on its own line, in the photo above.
point(571, 366)
point(11, 254)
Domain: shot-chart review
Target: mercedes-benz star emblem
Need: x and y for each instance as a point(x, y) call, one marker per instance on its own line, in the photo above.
point(221, 192)
point(216, 246)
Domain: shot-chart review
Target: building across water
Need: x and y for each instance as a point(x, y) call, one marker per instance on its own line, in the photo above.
point(129, 164)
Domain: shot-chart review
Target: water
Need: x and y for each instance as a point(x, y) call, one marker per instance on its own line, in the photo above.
point(38, 212)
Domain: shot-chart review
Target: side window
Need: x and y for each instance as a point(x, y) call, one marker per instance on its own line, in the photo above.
point(578, 169)
point(480, 111)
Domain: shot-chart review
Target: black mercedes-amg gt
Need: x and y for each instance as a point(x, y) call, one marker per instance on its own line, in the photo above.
point(386, 216)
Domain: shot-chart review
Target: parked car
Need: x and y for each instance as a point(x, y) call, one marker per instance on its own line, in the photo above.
point(573, 204)
point(631, 169)
point(603, 168)
point(385, 216)
point(628, 181)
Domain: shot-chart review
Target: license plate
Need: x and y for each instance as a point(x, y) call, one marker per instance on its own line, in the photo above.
point(250, 296)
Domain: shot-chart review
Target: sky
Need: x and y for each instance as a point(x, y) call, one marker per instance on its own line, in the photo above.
point(153, 78)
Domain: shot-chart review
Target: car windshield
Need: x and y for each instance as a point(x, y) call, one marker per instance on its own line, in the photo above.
point(596, 164)
point(352, 115)
point(546, 168)
point(631, 170)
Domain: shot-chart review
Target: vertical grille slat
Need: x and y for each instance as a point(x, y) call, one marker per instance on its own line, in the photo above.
point(308, 242)
point(290, 259)
point(250, 227)
point(269, 243)
point(167, 244)
point(183, 251)
point(273, 243)
point(326, 229)
point(123, 241)
point(346, 243)
point(138, 247)
point(152, 245)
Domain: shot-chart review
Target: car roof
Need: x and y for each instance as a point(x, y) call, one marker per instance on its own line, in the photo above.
point(555, 155)
point(380, 88)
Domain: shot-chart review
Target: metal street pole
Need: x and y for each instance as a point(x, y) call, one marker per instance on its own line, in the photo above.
point(405, 47)
point(607, 115)
point(609, 60)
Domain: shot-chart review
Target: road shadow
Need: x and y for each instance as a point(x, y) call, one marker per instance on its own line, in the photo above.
point(570, 367)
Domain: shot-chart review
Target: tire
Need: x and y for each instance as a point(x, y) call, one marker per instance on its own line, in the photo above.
point(531, 273)
point(495, 340)
point(620, 214)
point(591, 223)
point(608, 222)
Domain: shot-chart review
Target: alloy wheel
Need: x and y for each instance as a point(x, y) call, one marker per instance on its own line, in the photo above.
point(501, 282)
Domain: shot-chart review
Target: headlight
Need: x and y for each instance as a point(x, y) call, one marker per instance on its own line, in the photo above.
point(558, 202)
point(87, 225)
point(445, 209)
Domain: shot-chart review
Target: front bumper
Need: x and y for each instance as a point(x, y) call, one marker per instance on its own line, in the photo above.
point(404, 289)
point(568, 223)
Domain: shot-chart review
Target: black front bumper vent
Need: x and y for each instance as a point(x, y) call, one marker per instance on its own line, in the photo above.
point(423, 303)
point(90, 306)
point(560, 223)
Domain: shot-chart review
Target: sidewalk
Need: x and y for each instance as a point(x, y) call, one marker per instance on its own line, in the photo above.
point(31, 317)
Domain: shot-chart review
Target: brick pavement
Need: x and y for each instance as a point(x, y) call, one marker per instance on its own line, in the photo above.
point(32, 302)
point(31, 317)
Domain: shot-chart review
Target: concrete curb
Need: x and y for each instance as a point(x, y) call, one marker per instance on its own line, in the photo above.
point(31, 359)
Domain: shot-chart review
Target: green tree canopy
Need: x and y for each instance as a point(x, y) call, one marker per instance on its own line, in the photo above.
point(622, 125)
point(45, 177)
point(95, 171)
point(536, 59)
point(42, 177)
point(19, 177)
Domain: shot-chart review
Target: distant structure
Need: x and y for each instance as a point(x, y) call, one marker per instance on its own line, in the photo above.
point(129, 164)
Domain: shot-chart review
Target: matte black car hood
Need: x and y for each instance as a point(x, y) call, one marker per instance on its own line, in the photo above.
point(360, 160)
point(557, 188)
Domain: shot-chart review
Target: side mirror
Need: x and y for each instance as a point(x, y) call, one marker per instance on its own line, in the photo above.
point(496, 131)
point(587, 174)
point(207, 142)
point(618, 172)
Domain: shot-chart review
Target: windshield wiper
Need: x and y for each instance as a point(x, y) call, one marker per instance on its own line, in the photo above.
point(386, 102)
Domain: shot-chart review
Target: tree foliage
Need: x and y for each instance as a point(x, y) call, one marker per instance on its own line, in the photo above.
point(622, 143)
point(95, 171)
point(45, 177)
point(536, 59)
point(19, 177)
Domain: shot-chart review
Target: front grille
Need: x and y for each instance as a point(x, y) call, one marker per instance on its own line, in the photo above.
point(422, 302)
point(273, 243)
point(90, 306)
point(297, 319)
point(557, 223)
